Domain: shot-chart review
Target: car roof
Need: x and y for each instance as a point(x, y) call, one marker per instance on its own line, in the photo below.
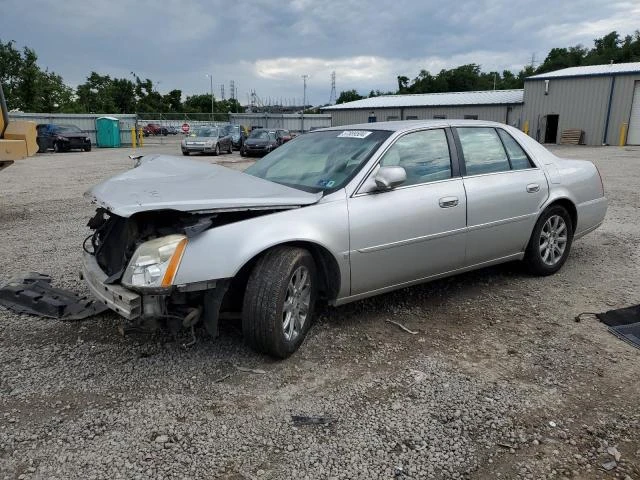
point(399, 125)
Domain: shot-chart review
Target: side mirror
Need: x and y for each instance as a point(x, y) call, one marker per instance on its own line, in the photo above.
point(390, 177)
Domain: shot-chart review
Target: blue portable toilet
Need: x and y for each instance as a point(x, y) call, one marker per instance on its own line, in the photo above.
point(107, 132)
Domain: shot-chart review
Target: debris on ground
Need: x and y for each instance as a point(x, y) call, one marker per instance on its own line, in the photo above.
point(402, 327)
point(608, 466)
point(33, 294)
point(311, 420)
point(250, 370)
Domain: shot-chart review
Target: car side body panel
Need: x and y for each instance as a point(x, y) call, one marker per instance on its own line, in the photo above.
point(222, 251)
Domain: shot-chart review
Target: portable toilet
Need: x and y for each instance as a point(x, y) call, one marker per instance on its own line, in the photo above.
point(107, 132)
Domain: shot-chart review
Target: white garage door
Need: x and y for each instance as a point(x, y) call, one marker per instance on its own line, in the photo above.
point(633, 137)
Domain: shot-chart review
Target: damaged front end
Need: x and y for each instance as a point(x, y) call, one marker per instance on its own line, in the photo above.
point(130, 264)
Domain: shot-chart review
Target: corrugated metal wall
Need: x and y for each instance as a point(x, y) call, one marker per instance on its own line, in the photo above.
point(287, 121)
point(621, 106)
point(582, 103)
point(86, 122)
point(496, 113)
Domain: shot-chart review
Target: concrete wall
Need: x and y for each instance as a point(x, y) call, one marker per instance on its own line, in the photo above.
point(86, 122)
point(496, 113)
point(582, 103)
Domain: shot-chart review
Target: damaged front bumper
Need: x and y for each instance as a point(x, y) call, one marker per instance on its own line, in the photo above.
point(122, 301)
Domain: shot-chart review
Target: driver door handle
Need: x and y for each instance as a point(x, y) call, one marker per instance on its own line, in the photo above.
point(448, 202)
point(533, 188)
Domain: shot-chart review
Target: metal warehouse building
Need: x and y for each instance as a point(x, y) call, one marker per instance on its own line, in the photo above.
point(497, 105)
point(601, 100)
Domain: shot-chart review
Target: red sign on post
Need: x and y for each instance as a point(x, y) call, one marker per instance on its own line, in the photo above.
point(185, 127)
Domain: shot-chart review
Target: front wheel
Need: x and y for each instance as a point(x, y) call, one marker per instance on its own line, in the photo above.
point(56, 147)
point(87, 148)
point(242, 152)
point(185, 153)
point(550, 242)
point(216, 152)
point(279, 300)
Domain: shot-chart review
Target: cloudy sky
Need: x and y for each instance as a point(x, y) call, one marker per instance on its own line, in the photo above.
point(267, 45)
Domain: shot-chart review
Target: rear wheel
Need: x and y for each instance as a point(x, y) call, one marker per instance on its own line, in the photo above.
point(279, 301)
point(550, 241)
point(87, 148)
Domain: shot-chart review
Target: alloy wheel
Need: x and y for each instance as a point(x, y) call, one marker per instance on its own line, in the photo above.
point(296, 304)
point(553, 240)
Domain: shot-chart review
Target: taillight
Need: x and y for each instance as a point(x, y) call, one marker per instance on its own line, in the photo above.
point(601, 182)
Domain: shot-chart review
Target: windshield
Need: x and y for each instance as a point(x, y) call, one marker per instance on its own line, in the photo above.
point(67, 129)
point(319, 161)
point(207, 132)
point(262, 135)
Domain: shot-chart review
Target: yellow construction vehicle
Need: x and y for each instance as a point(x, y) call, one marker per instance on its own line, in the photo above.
point(17, 139)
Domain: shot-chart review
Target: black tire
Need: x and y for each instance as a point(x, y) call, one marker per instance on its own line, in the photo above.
point(87, 148)
point(41, 147)
point(242, 152)
point(185, 153)
point(216, 152)
point(230, 148)
point(533, 255)
point(56, 147)
point(264, 299)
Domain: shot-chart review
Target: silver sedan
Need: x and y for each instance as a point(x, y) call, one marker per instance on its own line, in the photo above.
point(336, 215)
point(207, 139)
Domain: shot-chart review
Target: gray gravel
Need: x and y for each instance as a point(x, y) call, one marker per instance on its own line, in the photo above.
point(499, 382)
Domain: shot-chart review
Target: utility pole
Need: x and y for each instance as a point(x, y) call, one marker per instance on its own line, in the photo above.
point(332, 96)
point(304, 100)
point(211, 79)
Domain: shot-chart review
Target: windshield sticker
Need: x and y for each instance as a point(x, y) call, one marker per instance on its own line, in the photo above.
point(354, 134)
point(326, 183)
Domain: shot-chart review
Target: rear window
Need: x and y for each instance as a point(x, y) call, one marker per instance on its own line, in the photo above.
point(483, 151)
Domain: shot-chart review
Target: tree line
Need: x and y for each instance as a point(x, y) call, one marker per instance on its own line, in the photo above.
point(465, 78)
point(28, 88)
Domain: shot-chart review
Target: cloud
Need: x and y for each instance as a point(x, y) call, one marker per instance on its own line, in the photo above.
point(266, 46)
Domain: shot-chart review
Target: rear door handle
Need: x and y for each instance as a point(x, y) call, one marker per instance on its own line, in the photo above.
point(448, 202)
point(533, 188)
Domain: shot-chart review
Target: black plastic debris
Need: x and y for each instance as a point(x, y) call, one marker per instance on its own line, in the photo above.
point(33, 294)
point(624, 323)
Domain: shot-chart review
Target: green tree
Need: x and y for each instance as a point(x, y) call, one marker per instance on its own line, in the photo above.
point(349, 96)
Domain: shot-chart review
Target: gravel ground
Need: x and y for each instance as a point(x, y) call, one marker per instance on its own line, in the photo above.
point(499, 382)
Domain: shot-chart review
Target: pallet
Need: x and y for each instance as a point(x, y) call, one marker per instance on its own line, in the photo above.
point(572, 137)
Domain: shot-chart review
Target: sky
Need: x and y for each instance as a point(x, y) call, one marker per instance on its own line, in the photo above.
point(267, 45)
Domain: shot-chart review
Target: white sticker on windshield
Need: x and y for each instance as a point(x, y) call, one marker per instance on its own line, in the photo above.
point(354, 134)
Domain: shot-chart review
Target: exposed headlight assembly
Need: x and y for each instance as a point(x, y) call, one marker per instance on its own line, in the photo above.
point(155, 263)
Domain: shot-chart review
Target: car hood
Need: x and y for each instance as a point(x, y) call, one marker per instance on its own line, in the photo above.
point(165, 182)
point(256, 141)
point(201, 139)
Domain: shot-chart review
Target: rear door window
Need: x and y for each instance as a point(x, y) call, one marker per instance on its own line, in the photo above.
point(519, 159)
point(483, 150)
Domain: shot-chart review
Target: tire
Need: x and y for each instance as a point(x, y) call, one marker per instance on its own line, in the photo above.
point(216, 152)
point(185, 153)
point(56, 147)
point(230, 148)
point(242, 152)
point(266, 325)
point(554, 229)
point(41, 147)
point(87, 148)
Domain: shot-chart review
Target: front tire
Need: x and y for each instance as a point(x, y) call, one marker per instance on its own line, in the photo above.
point(216, 152)
point(56, 147)
point(87, 148)
point(185, 153)
point(279, 300)
point(230, 150)
point(550, 242)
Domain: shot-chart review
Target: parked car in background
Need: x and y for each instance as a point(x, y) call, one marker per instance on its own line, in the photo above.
point(208, 139)
point(154, 129)
point(283, 136)
point(171, 130)
point(237, 136)
point(260, 142)
point(338, 214)
point(61, 138)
